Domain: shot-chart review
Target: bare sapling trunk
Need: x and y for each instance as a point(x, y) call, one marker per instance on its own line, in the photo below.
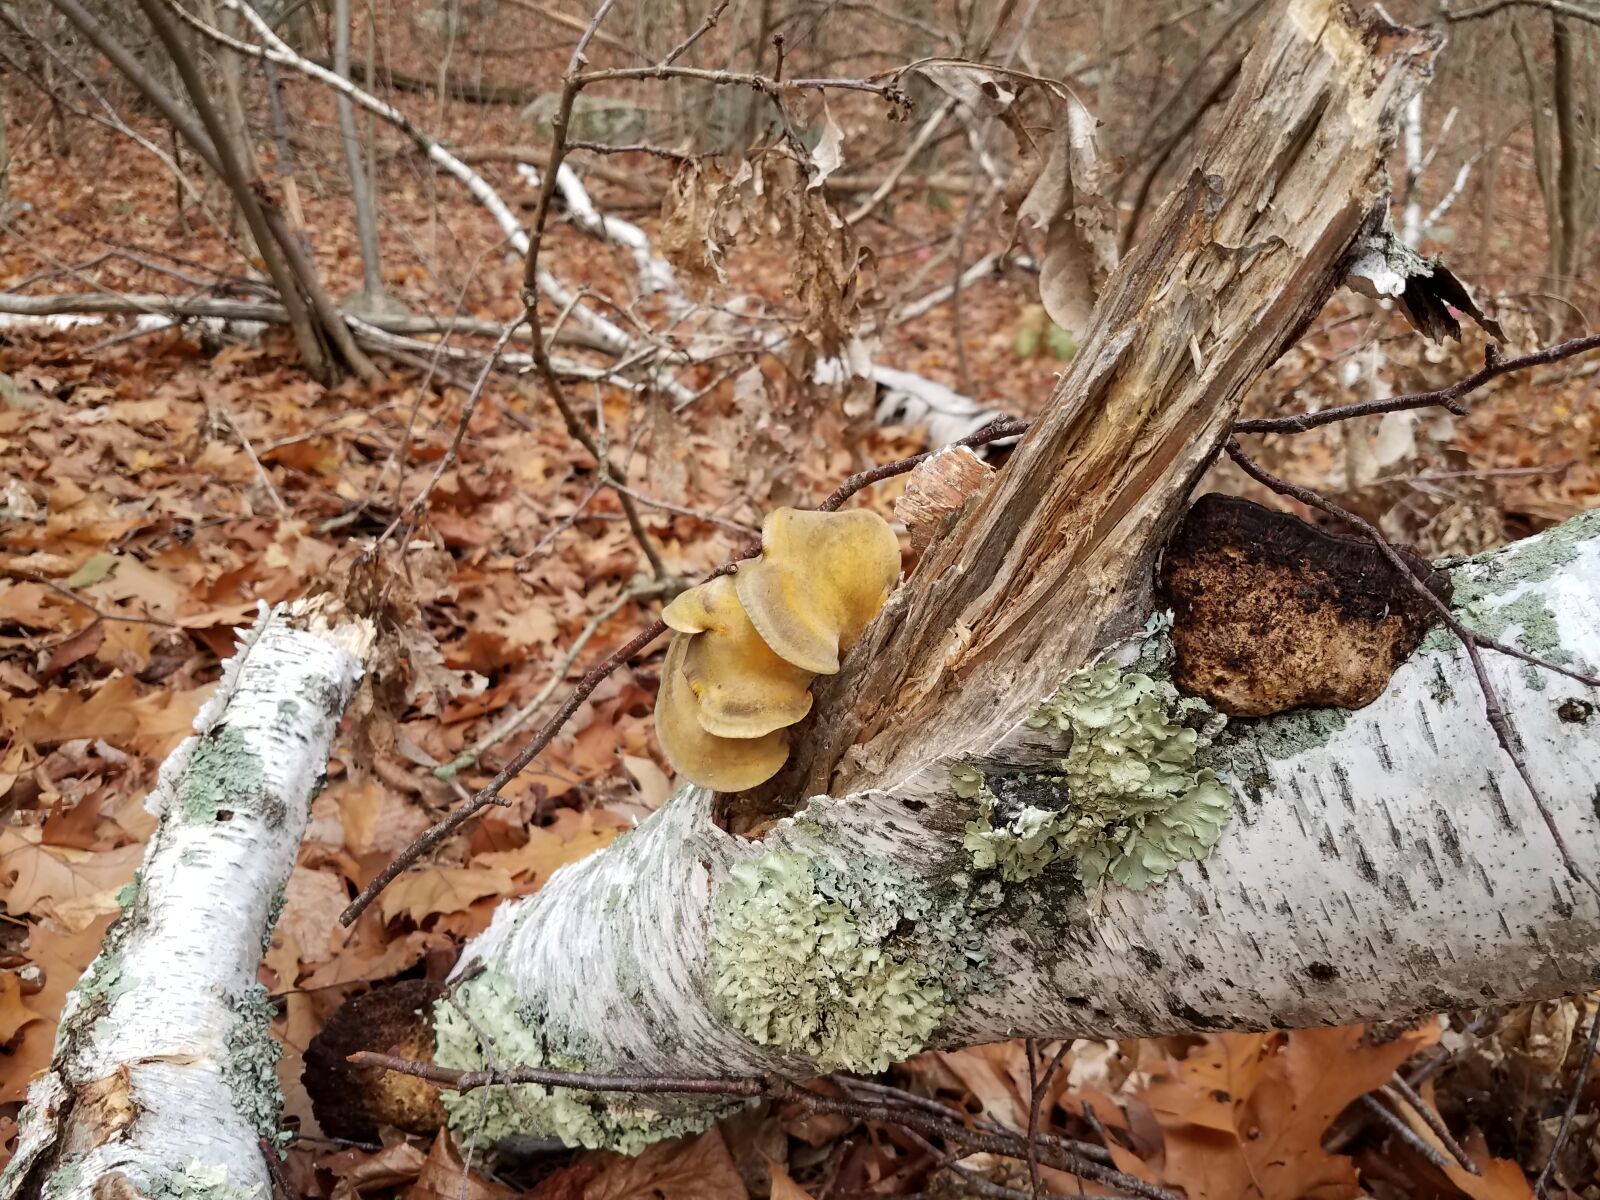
point(361, 193)
point(225, 160)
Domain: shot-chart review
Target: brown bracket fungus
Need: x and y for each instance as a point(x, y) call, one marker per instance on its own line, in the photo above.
point(721, 763)
point(821, 578)
point(744, 689)
point(1271, 613)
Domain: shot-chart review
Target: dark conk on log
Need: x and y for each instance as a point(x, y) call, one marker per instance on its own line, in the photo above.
point(1270, 613)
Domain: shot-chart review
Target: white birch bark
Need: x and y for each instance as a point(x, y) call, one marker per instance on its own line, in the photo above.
point(162, 1081)
point(1377, 864)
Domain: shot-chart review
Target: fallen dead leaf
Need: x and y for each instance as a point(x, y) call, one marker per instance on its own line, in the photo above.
point(14, 1011)
point(422, 894)
point(62, 957)
point(71, 886)
point(784, 1188)
point(687, 1169)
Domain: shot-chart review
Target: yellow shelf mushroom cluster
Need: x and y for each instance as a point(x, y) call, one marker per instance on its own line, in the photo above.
point(746, 646)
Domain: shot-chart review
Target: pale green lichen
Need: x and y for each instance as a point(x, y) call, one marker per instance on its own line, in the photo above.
point(1480, 587)
point(223, 774)
point(64, 1180)
point(846, 968)
point(1245, 747)
point(195, 1180)
point(251, 1068)
point(275, 906)
point(1135, 801)
point(521, 1037)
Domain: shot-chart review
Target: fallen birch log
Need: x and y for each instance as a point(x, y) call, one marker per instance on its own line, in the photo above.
point(162, 1081)
point(1005, 819)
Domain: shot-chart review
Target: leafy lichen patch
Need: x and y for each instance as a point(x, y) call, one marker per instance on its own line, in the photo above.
point(521, 1037)
point(847, 967)
point(1137, 801)
point(196, 1180)
point(251, 1069)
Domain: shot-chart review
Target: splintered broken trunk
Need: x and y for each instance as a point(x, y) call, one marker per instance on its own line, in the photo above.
point(1006, 818)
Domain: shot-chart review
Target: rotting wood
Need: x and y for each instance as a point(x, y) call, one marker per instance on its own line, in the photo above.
point(1271, 613)
point(1055, 560)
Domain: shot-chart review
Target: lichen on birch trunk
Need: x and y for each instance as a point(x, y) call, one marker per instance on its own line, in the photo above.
point(1347, 866)
point(162, 1080)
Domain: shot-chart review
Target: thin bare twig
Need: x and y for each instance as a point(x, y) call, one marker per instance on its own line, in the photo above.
point(98, 613)
point(510, 725)
point(414, 509)
point(948, 1127)
point(490, 793)
point(464, 1081)
point(1556, 7)
point(1034, 1181)
point(250, 452)
point(1404, 1132)
point(1572, 1107)
point(1446, 397)
point(1434, 1121)
point(704, 28)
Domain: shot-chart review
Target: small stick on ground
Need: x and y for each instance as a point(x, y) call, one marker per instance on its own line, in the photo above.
point(1434, 1121)
point(1572, 1107)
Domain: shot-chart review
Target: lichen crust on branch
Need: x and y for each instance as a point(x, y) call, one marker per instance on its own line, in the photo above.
point(521, 1035)
point(853, 967)
point(1496, 594)
point(1127, 800)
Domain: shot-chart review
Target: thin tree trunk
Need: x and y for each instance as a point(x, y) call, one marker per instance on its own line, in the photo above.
point(366, 217)
point(233, 173)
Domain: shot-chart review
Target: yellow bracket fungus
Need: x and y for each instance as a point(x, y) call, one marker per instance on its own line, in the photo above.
point(744, 689)
point(722, 763)
point(745, 649)
point(820, 580)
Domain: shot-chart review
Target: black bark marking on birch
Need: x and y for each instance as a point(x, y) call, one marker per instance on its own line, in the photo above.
point(1363, 863)
point(1504, 813)
point(1426, 726)
point(1272, 613)
point(1449, 840)
point(1574, 711)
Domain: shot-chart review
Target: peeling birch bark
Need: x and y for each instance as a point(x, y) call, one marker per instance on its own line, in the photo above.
point(1368, 864)
point(1054, 560)
point(162, 1081)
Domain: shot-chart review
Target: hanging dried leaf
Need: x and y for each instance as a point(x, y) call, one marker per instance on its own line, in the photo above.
point(829, 153)
point(1079, 225)
point(694, 235)
point(983, 92)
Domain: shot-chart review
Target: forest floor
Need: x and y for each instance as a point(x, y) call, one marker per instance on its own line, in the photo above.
point(155, 486)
